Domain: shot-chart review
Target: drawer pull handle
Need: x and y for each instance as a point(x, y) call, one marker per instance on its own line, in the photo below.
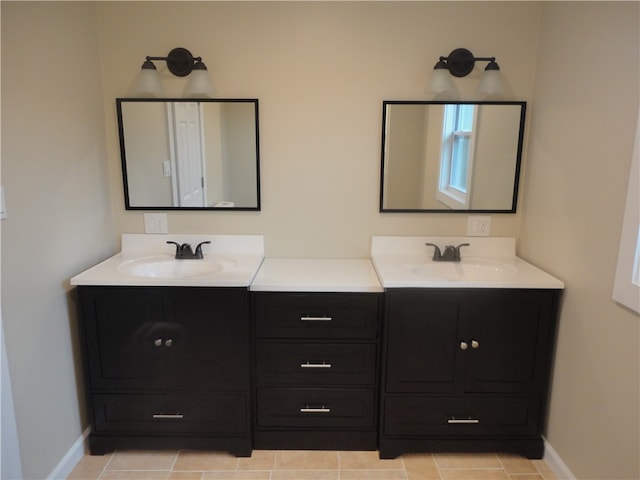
point(308, 318)
point(315, 365)
point(463, 421)
point(171, 416)
point(475, 344)
point(309, 409)
point(464, 345)
point(157, 342)
point(168, 342)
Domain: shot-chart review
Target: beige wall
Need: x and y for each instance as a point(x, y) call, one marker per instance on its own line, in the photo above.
point(55, 180)
point(147, 143)
point(580, 148)
point(321, 71)
point(405, 130)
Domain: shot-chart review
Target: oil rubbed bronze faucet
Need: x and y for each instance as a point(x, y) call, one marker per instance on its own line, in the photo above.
point(451, 253)
point(184, 251)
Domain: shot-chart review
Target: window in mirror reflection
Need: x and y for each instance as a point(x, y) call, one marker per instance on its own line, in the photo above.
point(184, 154)
point(442, 156)
point(456, 156)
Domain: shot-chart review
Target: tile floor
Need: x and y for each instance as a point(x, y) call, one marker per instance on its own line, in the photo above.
point(306, 465)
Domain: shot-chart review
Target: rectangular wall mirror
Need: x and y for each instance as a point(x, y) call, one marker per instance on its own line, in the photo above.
point(189, 154)
point(451, 156)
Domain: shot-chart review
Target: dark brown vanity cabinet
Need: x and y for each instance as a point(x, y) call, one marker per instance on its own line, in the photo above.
point(167, 367)
point(316, 370)
point(466, 370)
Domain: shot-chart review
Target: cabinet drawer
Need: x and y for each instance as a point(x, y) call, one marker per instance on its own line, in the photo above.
point(316, 407)
point(314, 364)
point(449, 416)
point(212, 414)
point(316, 315)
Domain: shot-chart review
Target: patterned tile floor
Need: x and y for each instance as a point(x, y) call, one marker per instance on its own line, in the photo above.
point(306, 465)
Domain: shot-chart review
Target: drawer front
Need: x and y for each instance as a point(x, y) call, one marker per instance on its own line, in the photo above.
point(316, 315)
point(315, 364)
point(461, 416)
point(316, 407)
point(219, 414)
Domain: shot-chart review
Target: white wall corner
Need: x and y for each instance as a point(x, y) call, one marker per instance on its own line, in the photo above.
point(555, 463)
point(71, 458)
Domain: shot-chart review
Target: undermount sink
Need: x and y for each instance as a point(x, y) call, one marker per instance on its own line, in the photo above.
point(166, 266)
point(469, 268)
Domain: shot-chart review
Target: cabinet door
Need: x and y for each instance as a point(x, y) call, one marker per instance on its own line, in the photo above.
point(164, 338)
point(123, 327)
point(508, 340)
point(423, 353)
point(209, 335)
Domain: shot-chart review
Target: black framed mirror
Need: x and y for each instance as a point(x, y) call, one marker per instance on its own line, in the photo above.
point(440, 156)
point(189, 154)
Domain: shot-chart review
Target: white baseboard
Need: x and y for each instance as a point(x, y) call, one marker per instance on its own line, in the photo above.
point(71, 459)
point(555, 463)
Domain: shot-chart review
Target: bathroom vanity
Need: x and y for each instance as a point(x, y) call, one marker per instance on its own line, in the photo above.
point(400, 353)
point(317, 330)
point(167, 345)
point(467, 350)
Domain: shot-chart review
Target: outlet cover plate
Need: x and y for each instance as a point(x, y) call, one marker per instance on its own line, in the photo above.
point(478, 226)
point(155, 223)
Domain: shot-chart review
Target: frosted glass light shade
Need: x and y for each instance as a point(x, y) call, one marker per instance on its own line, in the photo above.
point(199, 84)
point(491, 83)
point(441, 85)
point(147, 84)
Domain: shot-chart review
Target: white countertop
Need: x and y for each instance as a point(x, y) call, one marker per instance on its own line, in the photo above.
point(396, 262)
point(488, 262)
point(316, 275)
point(239, 256)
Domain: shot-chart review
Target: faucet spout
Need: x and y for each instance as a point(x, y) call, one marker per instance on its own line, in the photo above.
point(451, 253)
point(185, 252)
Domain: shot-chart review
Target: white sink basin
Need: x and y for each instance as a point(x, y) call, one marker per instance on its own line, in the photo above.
point(147, 260)
point(487, 262)
point(166, 266)
point(468, 268)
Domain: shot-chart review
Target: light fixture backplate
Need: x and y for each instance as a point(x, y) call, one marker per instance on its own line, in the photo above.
point(180, 62)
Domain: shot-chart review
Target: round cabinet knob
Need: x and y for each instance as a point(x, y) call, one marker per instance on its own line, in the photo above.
point(168, 342)
point(464, 345)
point(157, 342)
point(475, 344)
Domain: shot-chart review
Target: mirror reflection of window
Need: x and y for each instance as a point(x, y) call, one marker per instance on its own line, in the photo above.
point(451, 156)
point(456, 157)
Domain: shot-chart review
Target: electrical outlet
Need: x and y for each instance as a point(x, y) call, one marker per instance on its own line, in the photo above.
point(478, 226)
point(166, 168)
point(155, 223)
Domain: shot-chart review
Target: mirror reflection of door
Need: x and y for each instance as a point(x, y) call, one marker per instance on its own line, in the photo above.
point(188, 183)
point(189, 154)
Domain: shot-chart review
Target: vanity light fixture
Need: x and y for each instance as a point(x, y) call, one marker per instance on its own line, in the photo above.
point(460, 63)
point(181, 63)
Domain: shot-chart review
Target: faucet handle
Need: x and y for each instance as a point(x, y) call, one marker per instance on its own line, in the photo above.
point(199, 253)
point(437, 254)
point(458, 257)
point(177, 247)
